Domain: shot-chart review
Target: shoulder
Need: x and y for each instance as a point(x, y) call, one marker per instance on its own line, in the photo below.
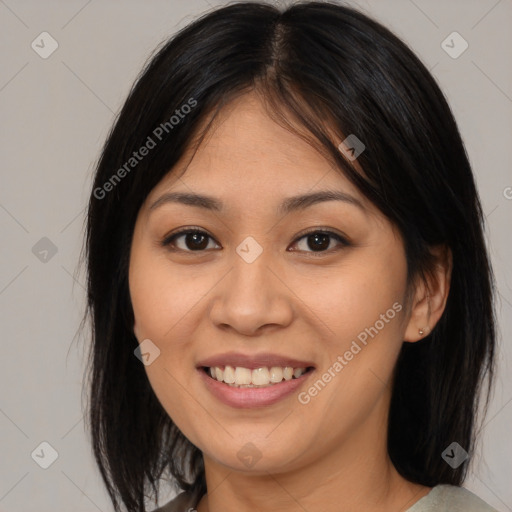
point(442, 498)
point(184, 502)
point(450, 498)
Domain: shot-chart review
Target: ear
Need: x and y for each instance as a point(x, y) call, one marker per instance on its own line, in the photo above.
point(429, 299)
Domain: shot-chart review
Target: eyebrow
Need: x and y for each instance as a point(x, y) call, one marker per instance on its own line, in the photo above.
point(289, 205)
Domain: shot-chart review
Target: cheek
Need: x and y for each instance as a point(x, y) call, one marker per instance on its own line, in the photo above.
point(160, 303)
point(160, 298)
point(148, 302)
point(353, 298)
point(362, 307)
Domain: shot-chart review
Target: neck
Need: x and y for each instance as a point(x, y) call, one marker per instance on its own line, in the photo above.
point(356, 476)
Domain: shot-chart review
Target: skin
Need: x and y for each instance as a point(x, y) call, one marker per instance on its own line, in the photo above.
point(329, 454)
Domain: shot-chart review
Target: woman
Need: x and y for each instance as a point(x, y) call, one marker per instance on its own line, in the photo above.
point(292, 302)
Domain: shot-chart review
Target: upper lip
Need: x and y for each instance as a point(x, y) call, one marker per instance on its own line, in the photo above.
point(253, 361)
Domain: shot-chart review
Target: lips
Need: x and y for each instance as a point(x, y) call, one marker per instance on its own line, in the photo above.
point(253, 361)
point(251, 395)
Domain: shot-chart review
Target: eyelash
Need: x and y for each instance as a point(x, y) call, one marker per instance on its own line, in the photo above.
point(170, 239)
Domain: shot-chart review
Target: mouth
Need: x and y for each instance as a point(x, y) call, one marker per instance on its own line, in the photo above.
point(262, 377)
point(253, 388)
point(253, 381)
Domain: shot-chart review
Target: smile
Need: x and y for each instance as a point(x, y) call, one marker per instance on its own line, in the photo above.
point(249, 395)
point(241, 377)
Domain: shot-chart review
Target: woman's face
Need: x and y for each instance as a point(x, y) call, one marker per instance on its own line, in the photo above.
point(268, 285)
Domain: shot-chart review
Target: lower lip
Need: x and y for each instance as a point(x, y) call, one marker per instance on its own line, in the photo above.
point(247, 398)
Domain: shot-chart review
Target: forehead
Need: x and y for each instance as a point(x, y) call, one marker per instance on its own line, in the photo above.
point(248, 156)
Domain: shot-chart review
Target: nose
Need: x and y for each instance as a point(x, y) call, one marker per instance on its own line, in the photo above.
point(252, 298)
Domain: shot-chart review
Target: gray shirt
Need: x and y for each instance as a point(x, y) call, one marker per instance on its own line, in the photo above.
point(442, 498)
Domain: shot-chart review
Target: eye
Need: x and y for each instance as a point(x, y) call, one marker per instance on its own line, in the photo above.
point(193, 240)
point(319, 241)
point(197, 240)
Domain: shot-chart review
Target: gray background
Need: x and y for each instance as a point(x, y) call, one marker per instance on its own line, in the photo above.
point(56, 113)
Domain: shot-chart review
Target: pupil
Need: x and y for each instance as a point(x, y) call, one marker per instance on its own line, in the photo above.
point(196, 241)
point(319, 237)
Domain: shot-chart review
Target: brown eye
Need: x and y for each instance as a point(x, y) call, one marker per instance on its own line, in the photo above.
point(320, 241)
point(189, 240)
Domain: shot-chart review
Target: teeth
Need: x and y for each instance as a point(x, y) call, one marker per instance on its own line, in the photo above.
point(259, 377)
point(219, 374)
point(229, 375)
point(276, 374)
point(297, 372)
point(242, 376)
